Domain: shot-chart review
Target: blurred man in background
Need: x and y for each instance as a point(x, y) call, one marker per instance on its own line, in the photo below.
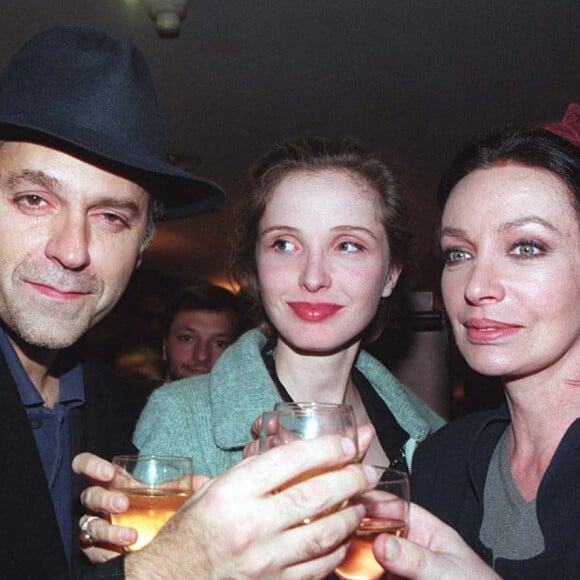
point(201, 321)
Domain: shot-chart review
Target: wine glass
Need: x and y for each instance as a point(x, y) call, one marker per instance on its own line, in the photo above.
point(157, 486)
point(315, 405)
point(387, 512)
point(307, 420)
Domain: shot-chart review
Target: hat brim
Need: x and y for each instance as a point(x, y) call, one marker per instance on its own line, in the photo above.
point(182, 193)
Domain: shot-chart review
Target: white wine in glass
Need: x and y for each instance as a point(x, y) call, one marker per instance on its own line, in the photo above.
point(307, 420)
point(387, 512)
point(157, 486)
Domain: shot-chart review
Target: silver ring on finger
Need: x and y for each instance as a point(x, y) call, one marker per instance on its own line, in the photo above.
point(85, 535)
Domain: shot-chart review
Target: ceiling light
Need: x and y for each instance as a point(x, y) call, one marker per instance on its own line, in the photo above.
point(168, 15)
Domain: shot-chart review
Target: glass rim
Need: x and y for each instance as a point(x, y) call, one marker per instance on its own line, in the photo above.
point(150, 457)
point(398, 474)
point(311, 406)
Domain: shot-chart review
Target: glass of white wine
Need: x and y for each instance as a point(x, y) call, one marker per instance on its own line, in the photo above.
point(157, 486)
point(307, 420)
point(387, 512)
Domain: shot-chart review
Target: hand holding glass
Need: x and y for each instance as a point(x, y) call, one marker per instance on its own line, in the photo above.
point(292, 421)
point(387, 512)
point(157, 486)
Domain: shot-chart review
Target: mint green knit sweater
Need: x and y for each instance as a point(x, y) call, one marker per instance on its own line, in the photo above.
point(209, 417)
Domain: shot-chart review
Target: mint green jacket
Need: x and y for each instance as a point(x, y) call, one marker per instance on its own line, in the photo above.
point(209, 417)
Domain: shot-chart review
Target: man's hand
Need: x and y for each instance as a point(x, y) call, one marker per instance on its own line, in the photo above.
point(247, 524)
point(108, 540)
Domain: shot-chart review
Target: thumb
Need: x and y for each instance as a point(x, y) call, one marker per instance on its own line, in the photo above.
point(366, 434)
point(256, 427)
point(402, 557)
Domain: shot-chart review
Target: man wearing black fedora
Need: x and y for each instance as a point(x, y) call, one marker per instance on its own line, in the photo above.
point(83, 178)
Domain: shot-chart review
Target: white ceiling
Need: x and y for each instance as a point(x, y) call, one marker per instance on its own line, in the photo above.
point(415, 77)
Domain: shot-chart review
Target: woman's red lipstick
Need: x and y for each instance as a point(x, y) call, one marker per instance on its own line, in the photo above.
point(484, 330)
point(314, 312)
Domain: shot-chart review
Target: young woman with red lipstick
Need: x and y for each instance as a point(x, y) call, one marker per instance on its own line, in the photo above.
point(320, 244)
point(507, 480)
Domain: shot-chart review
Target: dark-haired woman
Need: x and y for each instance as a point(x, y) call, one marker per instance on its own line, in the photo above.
point(507, 480)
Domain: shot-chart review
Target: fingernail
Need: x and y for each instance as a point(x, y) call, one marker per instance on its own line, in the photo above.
point(119, 504)
point(392, 548)
point(348, 446)
point(105, 471)
point(371, 473)
point(127, 536)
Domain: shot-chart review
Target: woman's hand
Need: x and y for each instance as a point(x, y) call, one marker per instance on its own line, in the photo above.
point(253, 448)
point(432, 551)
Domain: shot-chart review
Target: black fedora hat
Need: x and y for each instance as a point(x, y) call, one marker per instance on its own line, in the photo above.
point(92, 93)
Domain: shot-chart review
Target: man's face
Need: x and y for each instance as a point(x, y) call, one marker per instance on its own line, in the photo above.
point(70, 236)
point(196, 339)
